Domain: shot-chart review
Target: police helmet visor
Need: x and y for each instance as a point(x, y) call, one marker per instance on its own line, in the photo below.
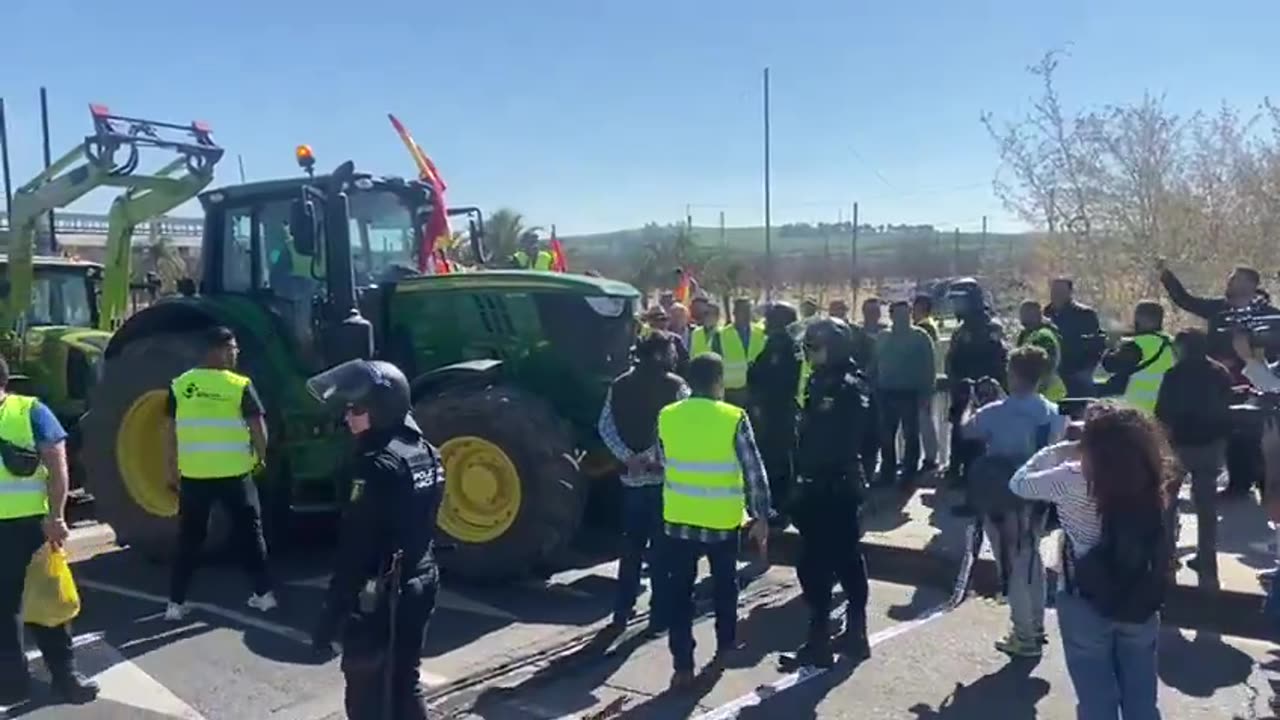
point(343, 386)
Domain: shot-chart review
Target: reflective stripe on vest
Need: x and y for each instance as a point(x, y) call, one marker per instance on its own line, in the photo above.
point(21, 496)
point(542, 261)
point(213, 438)
point(703, 483)
point(699, 342)
point(1144, 385)
point(737, 358)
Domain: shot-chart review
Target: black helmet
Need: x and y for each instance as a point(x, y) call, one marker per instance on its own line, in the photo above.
point(832, 335)
point(374, 386)
point(779, 316)
point(968, 292)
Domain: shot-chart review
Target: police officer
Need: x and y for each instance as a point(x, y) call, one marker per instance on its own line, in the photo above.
point(773, 381)
point(219, 439)
point(977, 350)
point(33, 497)
point(384, 584)
point(833, 426)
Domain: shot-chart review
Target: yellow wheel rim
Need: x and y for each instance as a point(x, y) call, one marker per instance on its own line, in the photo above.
point(140, 458)
point(481, 490)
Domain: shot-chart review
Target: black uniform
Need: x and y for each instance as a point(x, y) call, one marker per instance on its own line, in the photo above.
point(772, 381)
point(833, 425)
point(977, 350)
point(385, 558)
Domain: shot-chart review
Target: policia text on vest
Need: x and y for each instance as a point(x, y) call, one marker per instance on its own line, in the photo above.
point(33, 498)
point(219, 438)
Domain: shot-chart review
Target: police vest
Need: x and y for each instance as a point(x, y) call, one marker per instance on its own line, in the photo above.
point(543, 261)
point(21, 496)
point(703, 484)
point(1051, 386)
point(738, 358)
point(213, 437)
point(1144, 383)
point(699, 342)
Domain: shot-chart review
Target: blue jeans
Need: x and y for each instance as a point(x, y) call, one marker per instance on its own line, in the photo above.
point(680, 560)
point(1112, 664)
point(641, 529)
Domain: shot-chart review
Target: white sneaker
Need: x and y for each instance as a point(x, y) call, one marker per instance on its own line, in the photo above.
point(263, 602)
point(176, 611)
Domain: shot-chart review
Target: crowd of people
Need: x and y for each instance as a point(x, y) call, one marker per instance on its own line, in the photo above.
point(789, 420)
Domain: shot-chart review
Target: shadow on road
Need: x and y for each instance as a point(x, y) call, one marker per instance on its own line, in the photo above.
point(1202, 666)
point(1010, 693)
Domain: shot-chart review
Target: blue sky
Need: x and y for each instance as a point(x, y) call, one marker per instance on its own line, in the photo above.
point(596, 114)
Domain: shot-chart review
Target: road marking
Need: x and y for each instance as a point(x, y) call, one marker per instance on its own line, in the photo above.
point(120, 681)
point(237, 617)
point(805, 674)
point(446, 599)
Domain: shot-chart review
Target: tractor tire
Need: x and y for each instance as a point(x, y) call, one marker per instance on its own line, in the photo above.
point(514, 497)
point(122, 451)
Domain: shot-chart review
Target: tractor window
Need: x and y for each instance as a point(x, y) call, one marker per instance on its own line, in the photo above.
point(237, 261)
point(383, 238)
point(60, 298)
point(276, 256)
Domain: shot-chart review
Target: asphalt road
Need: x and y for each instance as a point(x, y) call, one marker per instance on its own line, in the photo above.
point(526, 652)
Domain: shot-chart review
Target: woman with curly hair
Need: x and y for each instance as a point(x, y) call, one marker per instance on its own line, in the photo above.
point(1110, 489)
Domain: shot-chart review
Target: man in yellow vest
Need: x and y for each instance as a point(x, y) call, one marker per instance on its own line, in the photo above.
point(1038, 331)
point(530, 256)
point(216, 440)
point(1139, 364)
point(712, 474)
point(738, 345)
point(33, 498)
point(703, 337)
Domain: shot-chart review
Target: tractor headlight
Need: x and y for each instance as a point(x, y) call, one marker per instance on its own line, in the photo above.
point(607, 306)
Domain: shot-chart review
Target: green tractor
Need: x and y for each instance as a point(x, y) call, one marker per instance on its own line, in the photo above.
point(56, 313)
point(508, 368)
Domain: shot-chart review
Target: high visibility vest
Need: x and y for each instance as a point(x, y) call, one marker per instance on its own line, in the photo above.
point(1157, 358)
point(213, 437)
point(1051, 387)
point(805, 371)
point(21, 496)
point(699, 342)
point(543, 261)
point(737, 358)
point(703, 483)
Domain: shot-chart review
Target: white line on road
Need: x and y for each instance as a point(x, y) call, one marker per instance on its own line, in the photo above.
point(237, 617)
point(445, 599)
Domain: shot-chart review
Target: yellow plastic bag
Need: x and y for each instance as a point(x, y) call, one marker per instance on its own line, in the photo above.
point(49, 596)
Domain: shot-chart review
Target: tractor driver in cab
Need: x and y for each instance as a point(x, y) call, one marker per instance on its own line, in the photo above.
point(531, 256)
point(290, 274)
point(977, 351)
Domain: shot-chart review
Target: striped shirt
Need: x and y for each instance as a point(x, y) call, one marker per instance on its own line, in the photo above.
point(1053, 475)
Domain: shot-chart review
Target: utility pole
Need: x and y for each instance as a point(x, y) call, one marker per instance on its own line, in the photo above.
point(768, 239)
point(240, 160)
point(853, 266)
point(825, 275)
point(982, 248)
point(722, 240)
point(48, 160)
point(4, 160)
point(955, 253)
point(688, 217)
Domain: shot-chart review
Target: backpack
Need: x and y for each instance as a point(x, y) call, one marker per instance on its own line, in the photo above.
point(1125, 576)
point(989, 476)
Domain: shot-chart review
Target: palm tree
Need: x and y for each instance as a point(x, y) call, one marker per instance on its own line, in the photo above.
point(503, 232)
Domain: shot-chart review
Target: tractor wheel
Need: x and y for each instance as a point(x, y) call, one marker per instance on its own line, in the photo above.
point(122, 452)
point(513, 495)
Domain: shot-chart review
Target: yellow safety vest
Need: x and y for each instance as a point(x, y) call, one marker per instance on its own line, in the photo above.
point(213, 437)
point(1052, 387)
point(805, 371)
point(542, 262)
point(703, 485)
point(699, 342)
point(1157, 358)
point(737, 358)
point(21, 496)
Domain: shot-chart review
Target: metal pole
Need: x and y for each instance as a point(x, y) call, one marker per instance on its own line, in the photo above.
point(853, 277)
point(4, 160)
point(722, 240)
point(982, 248)
point(48, 160)
point(768, 236)
point(240, 160)
point(688, 217)
point(955, 253)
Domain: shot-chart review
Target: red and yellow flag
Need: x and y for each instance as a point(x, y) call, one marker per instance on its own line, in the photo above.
point(559, 263)
point(436, 235)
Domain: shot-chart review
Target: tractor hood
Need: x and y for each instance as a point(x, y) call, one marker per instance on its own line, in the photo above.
point(522, 281)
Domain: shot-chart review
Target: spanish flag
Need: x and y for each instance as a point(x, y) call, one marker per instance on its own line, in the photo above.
point(436, 235)
point(558, 261)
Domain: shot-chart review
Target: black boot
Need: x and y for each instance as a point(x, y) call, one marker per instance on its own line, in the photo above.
point(72, 687)
point(853, 643)
point(816, 651)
